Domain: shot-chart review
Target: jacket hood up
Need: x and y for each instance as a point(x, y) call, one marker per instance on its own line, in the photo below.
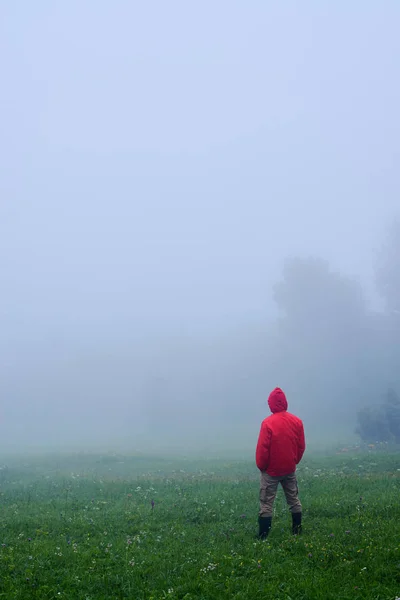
point(277, 401)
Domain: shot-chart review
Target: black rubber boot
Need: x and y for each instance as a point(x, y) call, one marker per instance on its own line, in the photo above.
point(264, 527)
point(296, 523)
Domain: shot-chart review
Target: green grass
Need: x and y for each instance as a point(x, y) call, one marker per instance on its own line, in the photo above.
point(83, 528)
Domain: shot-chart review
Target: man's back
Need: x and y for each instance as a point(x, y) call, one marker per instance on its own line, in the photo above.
point(281, 442)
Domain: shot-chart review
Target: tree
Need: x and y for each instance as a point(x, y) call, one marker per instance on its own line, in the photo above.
point(388, 270)
point(313, 297)
point(324, 340)
point(387, 277)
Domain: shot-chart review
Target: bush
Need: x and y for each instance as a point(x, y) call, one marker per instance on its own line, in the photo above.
point(381, 423)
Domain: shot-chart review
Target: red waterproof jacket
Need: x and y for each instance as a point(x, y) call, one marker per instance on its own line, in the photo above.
point(281, 442)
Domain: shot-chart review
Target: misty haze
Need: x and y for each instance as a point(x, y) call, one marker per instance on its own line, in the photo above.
point(160, 177)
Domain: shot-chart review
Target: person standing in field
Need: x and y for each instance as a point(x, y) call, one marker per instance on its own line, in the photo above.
point(280, 447)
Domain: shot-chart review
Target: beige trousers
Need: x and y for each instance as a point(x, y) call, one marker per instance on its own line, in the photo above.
point(269, 488)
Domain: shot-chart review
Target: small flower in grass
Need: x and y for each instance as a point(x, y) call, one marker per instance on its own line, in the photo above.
point(210, 567)
point(243, 516)
point(332, 535)
point(152, 505)
point(348, 531)
point(309, 555)
point(132, 563)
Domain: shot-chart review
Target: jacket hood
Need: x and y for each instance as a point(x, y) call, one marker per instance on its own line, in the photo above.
point(277, 401)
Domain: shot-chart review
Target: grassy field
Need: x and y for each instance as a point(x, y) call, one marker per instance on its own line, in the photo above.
point(84, 527)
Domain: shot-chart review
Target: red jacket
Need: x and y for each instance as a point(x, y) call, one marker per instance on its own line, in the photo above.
point(281, 442)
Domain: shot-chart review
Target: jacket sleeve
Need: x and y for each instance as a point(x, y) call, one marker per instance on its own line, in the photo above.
point(301, 444)
point(262, 451)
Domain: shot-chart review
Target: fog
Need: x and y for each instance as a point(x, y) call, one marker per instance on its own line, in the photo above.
point(198, 203)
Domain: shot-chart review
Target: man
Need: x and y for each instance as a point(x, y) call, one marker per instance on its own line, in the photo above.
point(280, 448)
